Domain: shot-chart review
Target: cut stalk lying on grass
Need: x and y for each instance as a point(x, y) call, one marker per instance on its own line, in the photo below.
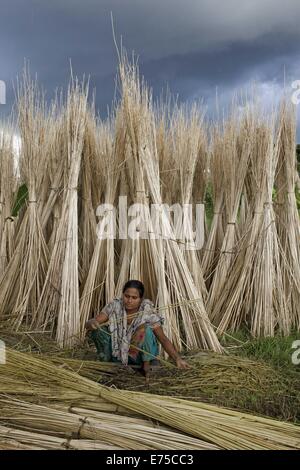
point(119, 431)
point(225, 428)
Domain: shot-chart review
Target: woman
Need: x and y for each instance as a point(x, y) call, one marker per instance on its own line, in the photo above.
point(133, 330)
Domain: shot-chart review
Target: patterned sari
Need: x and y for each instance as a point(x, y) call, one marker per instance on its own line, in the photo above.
point(126, 338)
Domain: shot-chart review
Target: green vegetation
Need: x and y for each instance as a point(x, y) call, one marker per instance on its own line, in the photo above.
point(21, 198)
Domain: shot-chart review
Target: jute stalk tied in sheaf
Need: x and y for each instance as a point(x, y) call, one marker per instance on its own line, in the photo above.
point(99, 286)
point(237, 151)
point(60, 295)
point(8, 187)
point(215, 236)
point(170, 268)
point(253, 291)
point(288, 221)
point(24, 277)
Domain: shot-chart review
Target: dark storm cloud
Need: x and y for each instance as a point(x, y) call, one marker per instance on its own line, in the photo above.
point(193, 46)
point(262, 59)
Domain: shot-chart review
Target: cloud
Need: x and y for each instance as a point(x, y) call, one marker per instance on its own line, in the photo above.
point(193, 46)
point(157, 29)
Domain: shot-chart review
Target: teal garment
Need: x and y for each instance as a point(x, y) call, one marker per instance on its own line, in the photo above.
point(102, 340)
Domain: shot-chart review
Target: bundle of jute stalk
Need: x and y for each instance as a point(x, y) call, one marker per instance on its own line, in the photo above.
point(288, 221)
point(189, 150)
point(141, 256)
point(99, 286)
point(155, 257)
point(239, 383)
point(224, 428)
point(60, 295)
point(237, 148)
point(57, 170)
point(197, 330)
point(169, 171)
point(215, 237)
point(23, 279)
point(14, 439)
point(8, 182)
point(138, 263)
point(87, 213)
point(254, 290)
point(109, 429)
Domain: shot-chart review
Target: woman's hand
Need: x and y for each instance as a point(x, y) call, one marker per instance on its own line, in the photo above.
point(181, 364)
point(169, 348)
point(92, 324)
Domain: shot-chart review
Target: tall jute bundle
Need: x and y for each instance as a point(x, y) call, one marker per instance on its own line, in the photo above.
point(255, 281)
point(189, 139)
point(99, 286)
point(23, 280)
point(158, 260)
point(135, 108)
point(60, 295)
point(87, 215)
point(288, 221)
point(57, 171)
point(216, 180)
point(8, 182)
point(237, 149)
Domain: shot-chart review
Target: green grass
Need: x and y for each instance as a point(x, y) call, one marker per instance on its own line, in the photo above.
point(277, 351)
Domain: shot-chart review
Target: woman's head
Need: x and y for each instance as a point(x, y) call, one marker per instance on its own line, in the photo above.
point(133, 293)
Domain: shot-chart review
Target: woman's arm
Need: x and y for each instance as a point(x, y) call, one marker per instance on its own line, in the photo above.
point(169, 348)
point(94, 323)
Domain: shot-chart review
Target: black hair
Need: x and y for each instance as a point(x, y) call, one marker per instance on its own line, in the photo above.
point(135, 285)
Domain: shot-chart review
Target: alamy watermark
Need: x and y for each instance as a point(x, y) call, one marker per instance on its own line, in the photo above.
point(2, 92)
point(183, 223)
point(296, 94)
point(2, 352)
point(296, 353)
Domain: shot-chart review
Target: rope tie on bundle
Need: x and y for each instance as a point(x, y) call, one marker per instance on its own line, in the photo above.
point(83, 422)
point(67, 444)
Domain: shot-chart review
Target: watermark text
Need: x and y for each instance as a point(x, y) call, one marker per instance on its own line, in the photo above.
point(2, 92)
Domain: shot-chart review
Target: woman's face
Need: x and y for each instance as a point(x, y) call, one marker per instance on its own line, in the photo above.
point(132, 299)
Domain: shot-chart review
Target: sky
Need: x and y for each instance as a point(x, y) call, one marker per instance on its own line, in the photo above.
point(196, 48)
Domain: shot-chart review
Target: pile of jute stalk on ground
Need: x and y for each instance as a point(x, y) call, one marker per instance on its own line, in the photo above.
point(241, 383)
point(56, 271)
point(43, 406)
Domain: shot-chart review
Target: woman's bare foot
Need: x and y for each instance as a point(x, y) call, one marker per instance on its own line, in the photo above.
point(146, 367)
